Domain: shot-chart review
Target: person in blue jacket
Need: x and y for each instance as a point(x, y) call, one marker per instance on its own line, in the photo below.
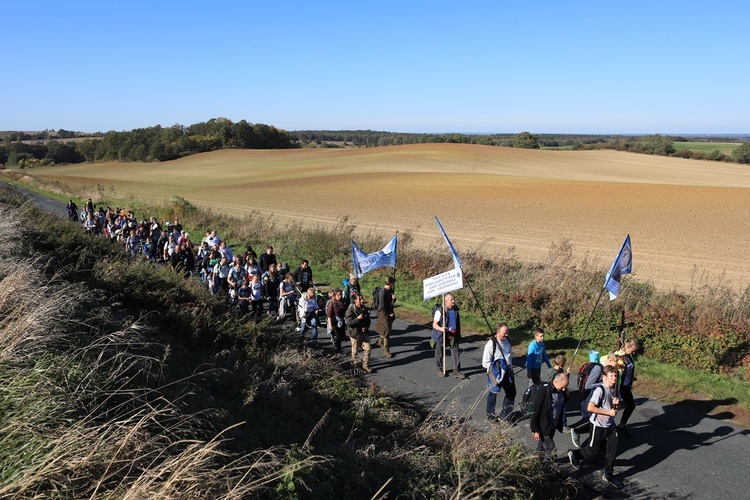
point(536, 355)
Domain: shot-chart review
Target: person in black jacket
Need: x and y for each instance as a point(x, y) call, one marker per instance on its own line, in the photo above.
point(303, 275)
point(547, 415)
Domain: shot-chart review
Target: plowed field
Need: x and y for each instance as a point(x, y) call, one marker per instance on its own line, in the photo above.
point(687, 219)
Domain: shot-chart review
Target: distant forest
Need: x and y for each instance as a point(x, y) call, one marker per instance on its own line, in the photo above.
point(154, 144)
point(150, 144)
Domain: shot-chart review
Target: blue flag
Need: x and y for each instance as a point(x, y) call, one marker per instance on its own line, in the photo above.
point(456, 260)
point(623, 264)
point(366, 262)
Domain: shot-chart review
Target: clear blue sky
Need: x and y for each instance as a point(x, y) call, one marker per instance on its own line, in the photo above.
point(491, 66)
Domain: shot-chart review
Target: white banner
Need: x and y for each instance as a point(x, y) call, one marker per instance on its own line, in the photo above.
point(442, 283)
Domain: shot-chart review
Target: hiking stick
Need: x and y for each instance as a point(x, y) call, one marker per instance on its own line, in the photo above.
point(445, 334)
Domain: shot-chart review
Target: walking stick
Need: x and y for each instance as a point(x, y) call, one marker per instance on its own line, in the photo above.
point(445, 334)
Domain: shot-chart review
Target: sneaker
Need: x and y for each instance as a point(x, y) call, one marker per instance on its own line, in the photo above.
point(621, 429)
point(573, 460)
point(458, 374)
point(441, 374)
point(566, 430)
point(608, 478)
point(575, 437)
point(492, 419)
point(388, 354)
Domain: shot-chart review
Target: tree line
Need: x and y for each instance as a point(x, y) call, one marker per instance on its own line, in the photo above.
point(159, 143)
point(151, 144)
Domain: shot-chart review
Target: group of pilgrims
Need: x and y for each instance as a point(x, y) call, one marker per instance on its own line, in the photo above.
point(262, 287)
point(257, 285)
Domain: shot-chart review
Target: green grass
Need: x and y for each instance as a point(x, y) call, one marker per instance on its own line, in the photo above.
point(674, 382)
point(726, 148)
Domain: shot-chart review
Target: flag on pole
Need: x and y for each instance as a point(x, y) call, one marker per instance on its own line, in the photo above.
point(456, 260)
point(366, 262)
point(623, 264)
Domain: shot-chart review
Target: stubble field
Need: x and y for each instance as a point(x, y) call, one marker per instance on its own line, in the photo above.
point(687, 219)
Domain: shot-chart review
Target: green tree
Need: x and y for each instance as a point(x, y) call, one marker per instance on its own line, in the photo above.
point(526, 140)
point(742, 153)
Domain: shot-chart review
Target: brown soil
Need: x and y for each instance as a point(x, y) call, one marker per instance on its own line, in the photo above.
point(687, 219)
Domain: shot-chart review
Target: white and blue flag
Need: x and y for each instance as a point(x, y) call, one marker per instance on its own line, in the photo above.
point(366, 262)
point(623, 264)
point(456, 260)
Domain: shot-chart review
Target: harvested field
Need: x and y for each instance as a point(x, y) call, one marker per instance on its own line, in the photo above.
point(687, 219)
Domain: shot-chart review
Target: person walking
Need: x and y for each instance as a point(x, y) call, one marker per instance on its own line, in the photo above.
point(357, 320)
point(548, 414)
point(594, 378)
point(535, 356)
point(450, 329)
point(626, 387)
point(603, 407)
point(499, 349)
point(308, 314)
point(335, 312)
point(303, 276)
point(386, 315)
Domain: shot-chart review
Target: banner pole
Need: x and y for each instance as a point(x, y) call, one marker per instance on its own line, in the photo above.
point(588, 322)
point(479, 305)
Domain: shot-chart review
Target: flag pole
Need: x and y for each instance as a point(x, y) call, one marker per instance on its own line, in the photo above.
point(588, 322)
point(479, 305)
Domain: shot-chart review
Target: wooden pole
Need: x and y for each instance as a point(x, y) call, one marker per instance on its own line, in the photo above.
point(445, 333)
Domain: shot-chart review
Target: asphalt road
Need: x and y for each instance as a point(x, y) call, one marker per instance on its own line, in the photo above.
point(674, 451)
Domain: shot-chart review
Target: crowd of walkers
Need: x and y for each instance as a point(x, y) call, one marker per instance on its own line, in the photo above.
point(262, 287)
point(259, 286)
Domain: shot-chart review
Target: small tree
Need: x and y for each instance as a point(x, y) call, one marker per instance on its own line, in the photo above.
point(742, 153)
point(525, 140)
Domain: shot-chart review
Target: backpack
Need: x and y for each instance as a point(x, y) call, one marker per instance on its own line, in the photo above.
point(499, 369)
point(583, 374)
point(376, 297)
point(527, 403)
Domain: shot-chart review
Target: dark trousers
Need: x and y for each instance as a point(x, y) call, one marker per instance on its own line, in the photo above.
point(510, 396)
point(454, 355)
point(626, 396)
point(546, 445)
point(603, 439)
point(257, 308)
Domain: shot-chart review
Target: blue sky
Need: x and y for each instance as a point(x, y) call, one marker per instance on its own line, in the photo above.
point(489, 66)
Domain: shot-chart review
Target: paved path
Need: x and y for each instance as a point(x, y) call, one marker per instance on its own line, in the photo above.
point(674, 452)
